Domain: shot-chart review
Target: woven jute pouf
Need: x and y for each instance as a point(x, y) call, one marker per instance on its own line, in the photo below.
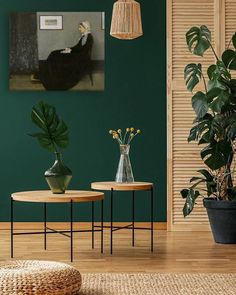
point(30, 277)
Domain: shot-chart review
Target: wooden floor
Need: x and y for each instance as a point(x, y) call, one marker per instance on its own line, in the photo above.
point(174, 252)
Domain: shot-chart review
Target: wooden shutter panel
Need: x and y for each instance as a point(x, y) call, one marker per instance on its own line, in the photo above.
point(230, 20)
point(183, 157)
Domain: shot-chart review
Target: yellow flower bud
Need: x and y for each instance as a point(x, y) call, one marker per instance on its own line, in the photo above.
point(110, 131)
point(132, 129)
point(138, 131)
point(127, 129)
point(119, 131)
point(131, 135)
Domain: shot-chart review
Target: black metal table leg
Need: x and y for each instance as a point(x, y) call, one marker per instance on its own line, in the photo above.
point(71, 231)
point(102, 226)
point(111, 246)
point(152, 219)
point(12, 236)
point(133, 196)
point(132, 225)
point(92, 225)
point(45, 226)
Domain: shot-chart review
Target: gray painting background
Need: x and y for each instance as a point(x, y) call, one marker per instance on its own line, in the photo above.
point(49, 40)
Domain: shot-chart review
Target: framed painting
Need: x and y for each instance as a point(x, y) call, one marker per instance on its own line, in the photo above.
point(51, 22)
point(57, 51)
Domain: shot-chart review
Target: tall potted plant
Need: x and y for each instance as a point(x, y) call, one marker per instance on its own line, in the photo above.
point(53, 136)
point(214, 128)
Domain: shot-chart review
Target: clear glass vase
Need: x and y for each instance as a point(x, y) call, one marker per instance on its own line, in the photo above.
point(124, 172)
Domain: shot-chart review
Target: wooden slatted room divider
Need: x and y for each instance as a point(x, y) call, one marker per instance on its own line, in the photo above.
point(183, 157)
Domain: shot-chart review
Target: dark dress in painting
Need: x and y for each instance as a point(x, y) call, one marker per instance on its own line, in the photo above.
point(62, 71)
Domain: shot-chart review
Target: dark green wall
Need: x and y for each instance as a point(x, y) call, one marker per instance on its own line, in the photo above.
point(135, 95)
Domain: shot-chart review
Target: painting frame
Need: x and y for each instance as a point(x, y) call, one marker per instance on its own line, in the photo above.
point(68, 57)
point(43, 19)
point(103, 20)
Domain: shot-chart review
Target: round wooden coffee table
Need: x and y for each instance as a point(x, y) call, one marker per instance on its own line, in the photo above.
point(45, 197)
point(113, 186)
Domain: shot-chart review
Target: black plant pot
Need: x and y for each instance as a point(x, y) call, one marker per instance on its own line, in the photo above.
point(222, 217)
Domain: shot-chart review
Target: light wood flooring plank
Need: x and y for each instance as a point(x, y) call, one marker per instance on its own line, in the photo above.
point(174, 252)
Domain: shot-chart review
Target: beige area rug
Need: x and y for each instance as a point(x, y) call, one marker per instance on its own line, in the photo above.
point(161, 284)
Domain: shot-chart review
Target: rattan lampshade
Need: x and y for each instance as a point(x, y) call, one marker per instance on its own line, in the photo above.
point(126, 20)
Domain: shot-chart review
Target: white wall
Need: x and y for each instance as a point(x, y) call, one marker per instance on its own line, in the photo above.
point(49, 40)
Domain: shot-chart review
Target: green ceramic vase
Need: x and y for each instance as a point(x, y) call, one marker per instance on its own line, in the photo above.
point(58, 176)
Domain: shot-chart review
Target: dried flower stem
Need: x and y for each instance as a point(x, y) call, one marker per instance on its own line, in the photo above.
point(117, 134)
point(133, 136)
point(124, 136)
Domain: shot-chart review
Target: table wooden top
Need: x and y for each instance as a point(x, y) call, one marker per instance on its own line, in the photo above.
point(117, 186)
point(48, 197)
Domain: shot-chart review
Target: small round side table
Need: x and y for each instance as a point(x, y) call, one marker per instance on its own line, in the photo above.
point(46, 197)
point(113, 186)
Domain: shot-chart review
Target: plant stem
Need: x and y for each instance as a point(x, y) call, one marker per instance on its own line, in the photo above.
point(213, 50)
point(119, 140)
point(204, 81)
point(55, 148)
point(229, 44)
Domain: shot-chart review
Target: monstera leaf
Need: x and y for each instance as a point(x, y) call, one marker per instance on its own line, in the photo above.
point(234, 40)
point(218, 126)
point(229, 59)
point(54, 132)
point(210, 71)
point(190, 197)
point(232, 193)
point(231, 127)
point(201, 127)
point(213, 129)
point(208, 176)
point(192, 75)
point(199, 104)
point(221, 98)
point(218, 76)
point(211, 184)
point(215, 155)
point(229, 56)
point(197, 39)
point(190, 194)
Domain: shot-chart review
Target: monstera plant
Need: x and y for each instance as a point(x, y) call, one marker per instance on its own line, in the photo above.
point(53, 136)
point(53, 130)
point(214, 129)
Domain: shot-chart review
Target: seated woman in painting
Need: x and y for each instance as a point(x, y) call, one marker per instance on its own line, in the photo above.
point(65, 68)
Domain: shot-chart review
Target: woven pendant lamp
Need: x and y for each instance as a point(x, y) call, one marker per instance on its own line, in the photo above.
point(126, 20)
